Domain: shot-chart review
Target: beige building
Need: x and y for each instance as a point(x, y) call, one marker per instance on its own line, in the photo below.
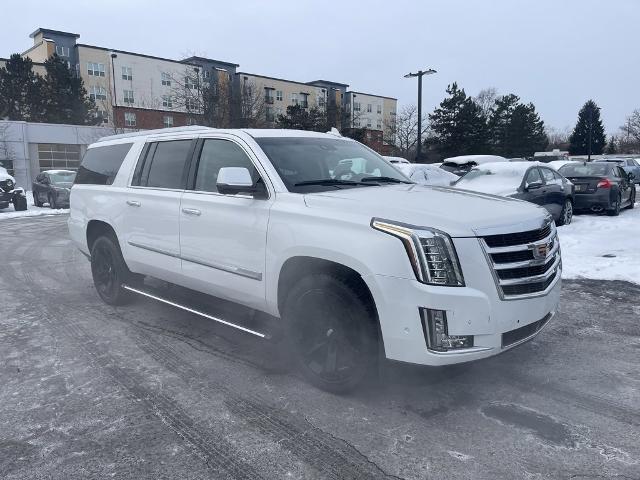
point(373, 112)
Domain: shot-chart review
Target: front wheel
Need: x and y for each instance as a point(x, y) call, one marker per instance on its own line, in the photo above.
point(615, 211)
point(332, 331)
point(567, 213)
point(109, 271)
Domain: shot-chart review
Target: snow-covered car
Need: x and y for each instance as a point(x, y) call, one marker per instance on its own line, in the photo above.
point(427, 174)
point(558, 164)
point(530, 181)
point(53, 187)
point(396, 160)
point(463, 163)
point(9, 193)
point(350, 265)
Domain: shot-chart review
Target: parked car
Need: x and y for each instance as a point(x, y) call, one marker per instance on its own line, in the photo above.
point(557, 164)
point(350, 264)
point(554, 155)
point(425, 174)
point(53, 187)
point(396, 159)
point(530, 181)
point(462, 164)
point(9, 193)
point(629, 165)
point(600, 186)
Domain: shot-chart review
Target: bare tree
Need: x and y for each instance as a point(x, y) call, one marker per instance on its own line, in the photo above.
point(248, 105)
point(7, 154)
point(186, 93)
point(558, 138)
point(485, 99)
point(629, 137)
point(403, 132)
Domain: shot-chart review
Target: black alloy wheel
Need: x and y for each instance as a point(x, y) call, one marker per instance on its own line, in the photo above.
point(332, 332)
point(566, 216)
point(615, 211)
point(109, 271)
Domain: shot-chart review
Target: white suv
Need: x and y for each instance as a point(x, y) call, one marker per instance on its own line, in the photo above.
point(320, 232)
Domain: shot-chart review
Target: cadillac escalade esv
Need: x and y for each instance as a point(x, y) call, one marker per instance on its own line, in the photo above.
point(324, 236)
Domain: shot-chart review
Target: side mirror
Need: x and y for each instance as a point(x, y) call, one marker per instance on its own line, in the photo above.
point(234, 180)
point(45, 181)
point(631, 176)
point(533, 186)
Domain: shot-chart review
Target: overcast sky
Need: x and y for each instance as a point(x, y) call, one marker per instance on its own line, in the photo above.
point(554, 53)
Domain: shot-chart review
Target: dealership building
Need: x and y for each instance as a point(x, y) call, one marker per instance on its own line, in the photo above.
point(26, 148)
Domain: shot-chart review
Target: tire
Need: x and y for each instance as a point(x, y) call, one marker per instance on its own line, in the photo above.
point(566, 216)
point(52, 201)
point(632, 199)
point(36, 200)
point(331, 332)
point(109, 271)
point(19, 203)
point(615, 211)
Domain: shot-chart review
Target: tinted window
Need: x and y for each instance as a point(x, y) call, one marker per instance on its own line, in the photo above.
point(101, 164)
point(215, 155)
point(585, 169)
point(533, 176)
point(167, 165)
point(548, 175)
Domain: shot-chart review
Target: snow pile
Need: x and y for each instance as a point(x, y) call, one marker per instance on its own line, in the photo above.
point(601, 247)
point(478, 159)
point(32, 210)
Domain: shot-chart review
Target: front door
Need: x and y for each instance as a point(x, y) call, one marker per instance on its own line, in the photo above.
point(152, 210)
point(554, 195)
point(534, 189)
point(223, 237)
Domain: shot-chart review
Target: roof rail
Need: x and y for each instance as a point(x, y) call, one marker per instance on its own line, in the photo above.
point(189, 128)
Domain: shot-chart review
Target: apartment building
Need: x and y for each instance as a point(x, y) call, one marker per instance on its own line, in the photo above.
point(138, 91)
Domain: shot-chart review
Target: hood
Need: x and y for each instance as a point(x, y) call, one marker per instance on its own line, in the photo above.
point(63, 185)
point(5, 176)
point(459, 213)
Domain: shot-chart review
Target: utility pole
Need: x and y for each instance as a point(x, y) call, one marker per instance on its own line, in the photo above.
point(420, 74)
point(590, 133)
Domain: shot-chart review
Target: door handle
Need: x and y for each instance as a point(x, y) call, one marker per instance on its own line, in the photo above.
point(191, 211)
point(133, 203)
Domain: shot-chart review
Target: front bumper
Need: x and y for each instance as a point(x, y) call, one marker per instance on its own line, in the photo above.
point(476, 309)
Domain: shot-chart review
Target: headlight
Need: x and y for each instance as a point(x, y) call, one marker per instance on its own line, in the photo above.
point(431, 252)
point(9, 183)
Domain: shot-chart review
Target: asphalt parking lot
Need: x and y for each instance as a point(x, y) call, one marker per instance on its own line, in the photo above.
point(146, 391)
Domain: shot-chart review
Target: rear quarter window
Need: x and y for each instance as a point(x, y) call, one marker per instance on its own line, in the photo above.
point(100, 165)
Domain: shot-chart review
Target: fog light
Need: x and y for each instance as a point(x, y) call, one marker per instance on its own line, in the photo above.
point(434, 325)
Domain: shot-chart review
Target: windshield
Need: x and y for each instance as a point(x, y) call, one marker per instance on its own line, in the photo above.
point(318, 164)
point(62, 177)
point(585, 169)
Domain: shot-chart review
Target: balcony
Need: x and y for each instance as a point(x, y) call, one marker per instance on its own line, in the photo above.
point(269, 99)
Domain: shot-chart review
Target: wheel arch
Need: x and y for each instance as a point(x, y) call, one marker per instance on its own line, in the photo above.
point(96, 229)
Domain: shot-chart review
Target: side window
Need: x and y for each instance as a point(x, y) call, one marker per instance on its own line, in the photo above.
point(39, 178)
point(215, 155)
point(548, 175)
point(533, 177)
point(621, 173)
point(166, 169)
point(100, 165)
point(558, 177)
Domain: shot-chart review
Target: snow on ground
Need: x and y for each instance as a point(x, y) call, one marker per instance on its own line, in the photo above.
point(32, 210)
point(602, 247)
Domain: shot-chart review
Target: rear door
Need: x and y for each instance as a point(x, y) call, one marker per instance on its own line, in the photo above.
point(152, 209)
point(623, 181)
point(223, 237)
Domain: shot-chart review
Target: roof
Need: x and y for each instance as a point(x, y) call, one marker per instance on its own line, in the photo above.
point(370, 94)
point(329, 82)
point(283, 132)
point(273, 78)
point(44, 31)
point(194, 59)
point(182, 62)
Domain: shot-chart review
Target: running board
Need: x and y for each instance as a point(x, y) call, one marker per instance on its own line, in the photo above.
point(197, 312)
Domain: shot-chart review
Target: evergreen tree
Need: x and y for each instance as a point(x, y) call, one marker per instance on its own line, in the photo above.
point(302, 119)
point(458, 125)
point(66, 97)
point(588, 122)
point(516, 129)
point(21, 96)
point(611, 146)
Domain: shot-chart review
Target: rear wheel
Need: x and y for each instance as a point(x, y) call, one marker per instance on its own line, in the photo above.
point(615, 211)
point(109, 271)
point(567, 213)
point(52, 201)
point(36, 200)
point(332, 332)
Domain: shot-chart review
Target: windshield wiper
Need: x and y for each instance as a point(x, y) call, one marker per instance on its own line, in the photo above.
point(384, 180)
point(328, 181)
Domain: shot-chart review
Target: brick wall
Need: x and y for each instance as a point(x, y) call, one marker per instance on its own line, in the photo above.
point(148, 119)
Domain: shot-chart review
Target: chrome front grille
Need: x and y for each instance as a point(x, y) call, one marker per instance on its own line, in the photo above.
point(523, 264)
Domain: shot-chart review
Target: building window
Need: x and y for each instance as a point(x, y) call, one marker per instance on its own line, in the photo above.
point(379, 108)
point(167, 121)
point(379, 125)
point(103, 115)
point(357, 122)
point(166, 101)
point(166, 79)
point(62, 51)
point(129, 119)
point(190, 104)
point(97, 93)
point(368, 123)
point(368, 108)
point(95, 69)
point(304, 103)
point(207, 74)
point(294, 98)
point(268, 95)
point(279, 95)
point(356, 106)
point(52, 156)
point(190, 82)
point(127, 73)
point(128, 96)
